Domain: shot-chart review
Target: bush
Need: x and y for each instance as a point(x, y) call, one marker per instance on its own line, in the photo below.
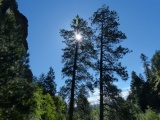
point(149, 115)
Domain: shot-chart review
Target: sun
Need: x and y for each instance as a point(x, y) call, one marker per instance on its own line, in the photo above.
point(78, 37)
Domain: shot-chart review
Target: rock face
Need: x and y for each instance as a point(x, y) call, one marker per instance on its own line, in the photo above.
point(8, 6)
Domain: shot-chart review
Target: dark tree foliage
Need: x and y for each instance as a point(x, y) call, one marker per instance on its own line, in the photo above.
point(148, 93)
point(145, 93)
point(110, 100)
point(108, 39)
point(49, 83)
point(155, 66)
point(41, 80)
point(15, 75)
point(13, 32)
point(122, 110)
point(61, 108)
point(14, 59)
point(11, 6)
point(136, 95)
point(77, 58)
point(13, 97)
point(20, 97)
point(83, 109)
point(146, 66)
point(136, 83)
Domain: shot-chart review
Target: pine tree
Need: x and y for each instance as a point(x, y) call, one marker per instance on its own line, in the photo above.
point(77, 58)
point(49, 83)
point(107, 38)
point(136, 84)
point(40, 81)
point(155, 68)
point(146, 66)
point(137, 95)
point(148, 93)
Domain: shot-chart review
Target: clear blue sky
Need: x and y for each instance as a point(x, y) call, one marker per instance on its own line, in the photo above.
point(139, 20)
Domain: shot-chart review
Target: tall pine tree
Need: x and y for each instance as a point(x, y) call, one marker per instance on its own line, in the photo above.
point(77, 58)
point(108, 38)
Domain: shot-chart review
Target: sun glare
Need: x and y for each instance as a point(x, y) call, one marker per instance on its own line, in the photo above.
point(78, 37)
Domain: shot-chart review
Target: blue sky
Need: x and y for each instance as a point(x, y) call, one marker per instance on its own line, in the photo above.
point(139, 20)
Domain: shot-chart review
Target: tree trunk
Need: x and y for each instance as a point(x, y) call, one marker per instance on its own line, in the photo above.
point(101, 76)
point(71, 108)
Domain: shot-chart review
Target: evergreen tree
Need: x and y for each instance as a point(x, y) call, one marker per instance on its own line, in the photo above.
point(49, 83)
point(12, 49)
point(42, 106)
point(155, 66)
point(145, 93)
point(122, 110)
point(77, 58)
point(94, 112)
point(136, 84)
point(61, 108)
point(107, 38)
point(137, 95)
point(146, 66)
point(15, 75)
point(83, 109)
point(148, 92)
point(41, 80)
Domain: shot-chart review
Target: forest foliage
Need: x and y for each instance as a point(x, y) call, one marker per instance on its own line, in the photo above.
point(26, 97)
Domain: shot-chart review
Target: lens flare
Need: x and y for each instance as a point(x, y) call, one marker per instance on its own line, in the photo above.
point(78, 37)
